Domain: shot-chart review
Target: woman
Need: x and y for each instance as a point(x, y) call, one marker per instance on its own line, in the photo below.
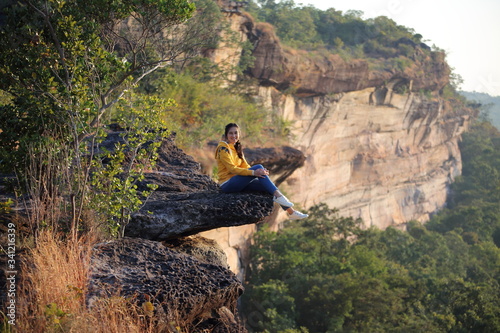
point(236, 175)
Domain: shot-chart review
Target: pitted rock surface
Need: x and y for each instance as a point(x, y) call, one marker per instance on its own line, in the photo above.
point(203, 249)
point(181, 287)
point(175, 215)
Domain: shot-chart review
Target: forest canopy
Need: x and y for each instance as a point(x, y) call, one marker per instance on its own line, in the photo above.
point(327, 274)
point(307, 27)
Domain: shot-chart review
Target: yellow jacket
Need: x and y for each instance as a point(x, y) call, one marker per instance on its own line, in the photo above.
point(228, 162)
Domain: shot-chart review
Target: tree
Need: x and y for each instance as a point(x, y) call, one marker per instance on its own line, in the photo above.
point(379, 281)
point(67, 65)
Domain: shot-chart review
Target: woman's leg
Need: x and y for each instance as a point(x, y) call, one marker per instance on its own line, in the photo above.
point(251, 183)
point(265, 183)
point(236, 184)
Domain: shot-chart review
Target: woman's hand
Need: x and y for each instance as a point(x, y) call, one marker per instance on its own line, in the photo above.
point(261, 173)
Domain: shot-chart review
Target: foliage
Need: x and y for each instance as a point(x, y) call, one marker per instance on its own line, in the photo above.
point(5, 206)
point(474, 205)
point(307, 27)
point(70, 62)
point(326, 274)
point(203, 108)
point(116, 173)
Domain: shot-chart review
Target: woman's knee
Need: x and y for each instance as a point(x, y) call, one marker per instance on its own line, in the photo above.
point(257, 166)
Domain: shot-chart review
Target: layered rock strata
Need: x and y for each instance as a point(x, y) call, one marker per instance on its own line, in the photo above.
point(387, 163)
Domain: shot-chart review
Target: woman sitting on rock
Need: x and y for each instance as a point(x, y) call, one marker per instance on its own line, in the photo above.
point(236, 175)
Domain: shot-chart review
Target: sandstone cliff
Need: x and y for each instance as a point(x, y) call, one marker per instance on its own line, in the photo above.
point(387, 163)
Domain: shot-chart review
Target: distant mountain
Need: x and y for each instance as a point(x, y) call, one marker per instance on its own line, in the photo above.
point(491, 105)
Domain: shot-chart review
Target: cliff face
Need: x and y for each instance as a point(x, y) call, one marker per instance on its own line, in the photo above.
point(387, 163)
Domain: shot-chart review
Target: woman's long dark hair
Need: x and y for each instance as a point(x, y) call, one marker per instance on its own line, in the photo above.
point(237, 145)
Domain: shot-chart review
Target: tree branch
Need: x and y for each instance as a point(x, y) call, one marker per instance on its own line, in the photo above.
point(60, 49)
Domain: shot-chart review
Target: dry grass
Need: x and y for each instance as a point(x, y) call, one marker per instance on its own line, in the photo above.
point(52, 290)
point(53, 279)
point(57, 240)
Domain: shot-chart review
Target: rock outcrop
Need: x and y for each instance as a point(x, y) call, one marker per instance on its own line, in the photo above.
point(195, 291)
point(283, 68)
point(187, 201)
point(280, 161)
point(186, 279)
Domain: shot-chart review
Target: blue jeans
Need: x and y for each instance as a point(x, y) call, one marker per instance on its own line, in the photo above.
point(250, 183)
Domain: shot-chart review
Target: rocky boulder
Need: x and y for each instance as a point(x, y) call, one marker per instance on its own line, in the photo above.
point(188, 201)
point(170, 215)
point(281, 161)
point(199, 293)
point(203, 249)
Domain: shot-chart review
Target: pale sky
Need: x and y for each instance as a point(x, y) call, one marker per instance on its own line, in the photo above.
point(469, 32)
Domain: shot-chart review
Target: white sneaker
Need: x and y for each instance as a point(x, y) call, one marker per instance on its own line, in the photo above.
point(296, 215)
point(283, 201)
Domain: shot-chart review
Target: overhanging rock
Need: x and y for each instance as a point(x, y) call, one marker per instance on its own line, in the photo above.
point(187, 202)
point(168, 216)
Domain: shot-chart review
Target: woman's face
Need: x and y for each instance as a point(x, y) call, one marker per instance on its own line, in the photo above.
point(233, 135)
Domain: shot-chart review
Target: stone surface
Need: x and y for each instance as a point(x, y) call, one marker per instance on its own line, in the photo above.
point(174, 215)
point(235, 242)
point(183, 289)
point(280, 161)
point(388, 162)
point(228, 52)
point(201, 248)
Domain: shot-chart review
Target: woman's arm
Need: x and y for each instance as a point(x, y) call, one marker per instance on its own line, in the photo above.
point(224, 155)
point(244, 163)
